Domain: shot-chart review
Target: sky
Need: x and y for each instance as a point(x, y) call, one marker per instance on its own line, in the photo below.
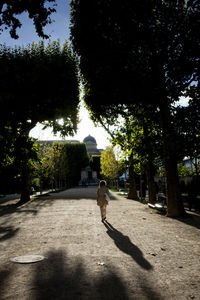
point(59, 29)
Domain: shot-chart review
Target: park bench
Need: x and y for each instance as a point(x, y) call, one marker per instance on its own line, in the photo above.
point(161, 202)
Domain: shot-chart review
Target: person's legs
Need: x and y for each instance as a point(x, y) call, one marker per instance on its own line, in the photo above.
point(103, 211)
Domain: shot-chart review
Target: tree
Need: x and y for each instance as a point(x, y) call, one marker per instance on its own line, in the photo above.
point(38, 84)
point(138, 138)
point(77, 158)
point(45, 170)
point(184, 170)
point(188, 124)
point(61, 163)
point(95, 164)
point(139, 52)
point(121, 135)
point(14, 151)
point(109, 165)
point(37, 10)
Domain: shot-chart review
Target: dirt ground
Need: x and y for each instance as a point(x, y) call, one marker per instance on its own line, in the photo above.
point(137, 255)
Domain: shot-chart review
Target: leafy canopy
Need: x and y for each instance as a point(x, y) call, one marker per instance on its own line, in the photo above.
point(38, 10)
point(39, 84)
point(109, 164)
point(135, 51)
point(62, 162)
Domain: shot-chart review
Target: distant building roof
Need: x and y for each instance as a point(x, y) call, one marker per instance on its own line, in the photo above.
point(89, 138)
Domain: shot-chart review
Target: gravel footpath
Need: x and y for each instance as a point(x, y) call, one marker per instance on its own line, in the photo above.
point(138, 254)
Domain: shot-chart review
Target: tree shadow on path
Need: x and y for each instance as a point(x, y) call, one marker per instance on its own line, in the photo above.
point(15, 208)
point(60, 277)
point(125, 245)
point(77, 193)
point(7, 232)
point(190, 219)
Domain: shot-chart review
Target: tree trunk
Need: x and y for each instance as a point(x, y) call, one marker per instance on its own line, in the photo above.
point(140, 188)
point(196, 166)
point(174, 205)
point(150, 182)
point(150, 170)
point(132, 194)
point(25, 174)
point(25, 182)
point(41, 187)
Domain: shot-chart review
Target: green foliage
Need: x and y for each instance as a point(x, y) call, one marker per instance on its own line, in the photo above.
point(96, 164)
point(137, 135)
point(141, 53)
point(137, 51)
point(188, 124)
point(37, 10)
point(61, 164)
point(45, 168)
point(109, 165)
point(15, 151)
point(184, 171)
point(6, 145)
point(77, 159)
point(39, 84)
point(161, 172)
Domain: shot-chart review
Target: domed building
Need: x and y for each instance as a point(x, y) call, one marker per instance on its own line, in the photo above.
point(89, 176)
point(91, 145)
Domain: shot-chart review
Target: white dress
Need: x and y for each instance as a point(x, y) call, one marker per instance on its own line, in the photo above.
point(101, 196)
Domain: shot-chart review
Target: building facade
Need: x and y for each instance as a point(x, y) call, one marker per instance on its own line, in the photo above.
point(89, 176)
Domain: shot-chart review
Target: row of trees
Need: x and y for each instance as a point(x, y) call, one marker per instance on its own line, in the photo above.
point(55, 166)
point(38, 84)
point(60, 164)
point(137, 59)
point(145, 151)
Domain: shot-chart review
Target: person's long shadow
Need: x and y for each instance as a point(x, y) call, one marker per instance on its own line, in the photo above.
point(125, 245)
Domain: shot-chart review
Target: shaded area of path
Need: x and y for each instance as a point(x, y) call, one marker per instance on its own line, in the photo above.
point(73, 281)
point(137, 254)
point(78, 193)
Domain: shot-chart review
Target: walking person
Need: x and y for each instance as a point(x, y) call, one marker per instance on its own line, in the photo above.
point(102, 202)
